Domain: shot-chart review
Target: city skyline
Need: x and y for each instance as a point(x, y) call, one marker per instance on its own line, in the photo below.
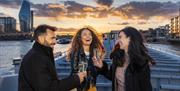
point(103, 15)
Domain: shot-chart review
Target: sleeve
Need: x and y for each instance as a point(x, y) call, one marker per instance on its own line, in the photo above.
point(105, 71)
point(145, 80)
point(38, 75)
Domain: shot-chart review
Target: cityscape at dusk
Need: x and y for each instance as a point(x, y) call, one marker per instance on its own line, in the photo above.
point(89, 45)
point(103, 15)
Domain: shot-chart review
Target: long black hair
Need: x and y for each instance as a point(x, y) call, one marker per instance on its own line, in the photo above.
point(138, 53)
point(117, 56)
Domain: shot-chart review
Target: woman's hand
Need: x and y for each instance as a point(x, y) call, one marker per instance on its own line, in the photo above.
point(82, 75)
point(97, 62)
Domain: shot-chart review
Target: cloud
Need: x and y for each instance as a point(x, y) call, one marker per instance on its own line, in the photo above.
point(145, 10)
point(88, 9)
point(48, 10)
point(67, 30)
point(73, 6)
point(77, 10)
point(122, 23)
point(72, 9)
point(2, 15)
point(142, 22)
point(10, 3)
point(107, 3)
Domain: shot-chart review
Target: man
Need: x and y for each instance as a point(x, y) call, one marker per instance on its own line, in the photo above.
point(38, 72)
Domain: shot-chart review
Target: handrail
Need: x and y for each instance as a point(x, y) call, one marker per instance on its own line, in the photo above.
point(164, 50)
point(60, 55)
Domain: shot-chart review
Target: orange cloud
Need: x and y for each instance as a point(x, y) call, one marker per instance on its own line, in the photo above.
point(71, 14)
point(88, 9)
point(56, 6)
point(120, 14)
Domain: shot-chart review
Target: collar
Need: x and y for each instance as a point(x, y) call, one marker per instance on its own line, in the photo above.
point(44, 49)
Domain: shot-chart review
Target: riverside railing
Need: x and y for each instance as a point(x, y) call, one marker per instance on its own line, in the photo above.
point(165, 50)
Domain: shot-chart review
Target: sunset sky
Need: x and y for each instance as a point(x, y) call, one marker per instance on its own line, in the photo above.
point(103, 15)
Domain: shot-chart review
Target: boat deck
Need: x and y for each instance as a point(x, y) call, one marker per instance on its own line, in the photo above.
point(165, 75)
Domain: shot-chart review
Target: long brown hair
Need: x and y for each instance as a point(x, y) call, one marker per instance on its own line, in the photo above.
point(77, 43)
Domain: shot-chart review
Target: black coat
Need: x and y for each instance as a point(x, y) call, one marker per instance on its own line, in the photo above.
point(94, 71)
point(38, 72)
point(136, 78)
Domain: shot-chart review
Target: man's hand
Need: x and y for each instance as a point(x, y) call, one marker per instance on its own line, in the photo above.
point(82, 75)
point(97, 62)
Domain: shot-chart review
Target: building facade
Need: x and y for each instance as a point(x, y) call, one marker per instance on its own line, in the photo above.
point(25, 17)
point(7, 25)
point(175, 27)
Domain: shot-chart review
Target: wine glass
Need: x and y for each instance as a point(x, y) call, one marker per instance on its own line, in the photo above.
point(82, 66)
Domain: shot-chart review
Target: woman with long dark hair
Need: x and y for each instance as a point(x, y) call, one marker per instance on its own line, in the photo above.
point(85, 48)
point(130, 68)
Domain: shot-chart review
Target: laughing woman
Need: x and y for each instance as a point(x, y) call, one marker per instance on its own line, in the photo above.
point(130, 69)
point(85, 48)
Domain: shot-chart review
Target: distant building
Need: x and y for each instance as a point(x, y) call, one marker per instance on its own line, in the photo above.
point(175, 27)
point(1, 28)
point(146, 33)
point(7, 25)
point(25, 17)
point(151, 35)
point(162, 31)
point(114, 34)
point(32, 20)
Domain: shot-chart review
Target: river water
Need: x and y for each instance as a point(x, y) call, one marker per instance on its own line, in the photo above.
point(14, 49)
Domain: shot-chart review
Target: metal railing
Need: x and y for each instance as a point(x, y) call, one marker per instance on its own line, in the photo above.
point(165, 50)
point(60, 55)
